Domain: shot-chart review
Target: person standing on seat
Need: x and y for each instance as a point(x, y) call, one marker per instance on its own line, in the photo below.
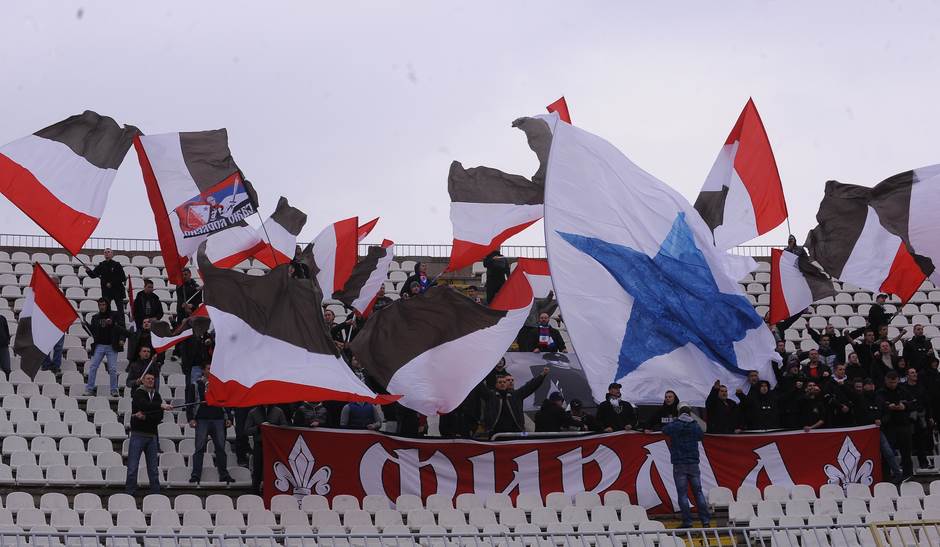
point(208, 421)
point(146, 414)
point(684, 436)
point(112, 280)
point(107, 330)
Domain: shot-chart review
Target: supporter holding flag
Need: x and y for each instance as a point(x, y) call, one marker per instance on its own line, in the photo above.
point(112, 278)
point(188, 296)
point(795, 284)
point(146, 305)
point(615, 414)
point(60, 176)
point(497, 271)
point(143, 362)
point(53, 361)
point(877, 317)
point(43, 321)
point(147, 409)
point(209, 422)
point(107, 331)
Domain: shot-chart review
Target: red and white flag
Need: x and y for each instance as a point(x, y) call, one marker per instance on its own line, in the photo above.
point(45, 318)
point(195, 189)
point(532, 271)
point(60, 176)
point(853, 245)
point(282, 229)
point(163, 338)
point(366, 228)
point(561, 107)
point(742, 197)
point(795, 283)
point(488, 206)
point(335, 252)
point(362, 287)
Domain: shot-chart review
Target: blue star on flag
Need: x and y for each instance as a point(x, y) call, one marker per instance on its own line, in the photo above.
point(676, 300)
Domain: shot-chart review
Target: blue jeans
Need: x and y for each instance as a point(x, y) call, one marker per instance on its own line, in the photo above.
point(204, 430)
point(685, 475)
point(195, 374)
point(887, 454)
point(55, 364)
point(102, 350)
point(146, 444)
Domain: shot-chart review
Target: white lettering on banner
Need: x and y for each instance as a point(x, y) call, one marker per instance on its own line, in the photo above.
point(770, 460)
point(657, 456)
point(409, 471)
point(525, 474)
point(572, 469)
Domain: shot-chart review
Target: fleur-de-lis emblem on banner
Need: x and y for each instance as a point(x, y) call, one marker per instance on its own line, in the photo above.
point(851, 469)
point(300, 477)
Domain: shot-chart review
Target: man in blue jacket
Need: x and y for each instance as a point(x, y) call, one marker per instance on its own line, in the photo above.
point(684, 435)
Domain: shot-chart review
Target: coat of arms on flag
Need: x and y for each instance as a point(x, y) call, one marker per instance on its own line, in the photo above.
point(219, 207)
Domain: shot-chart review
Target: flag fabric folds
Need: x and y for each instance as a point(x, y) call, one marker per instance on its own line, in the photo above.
point(561, 107)
point(366, 229)
point(335, 252)
point(795, 283)
point(60, 176)
point(367, 277)
point(163, 338)
point(433, 349)
point(852, 244)
point(272, 345)
point(489, 206)
point(646, 296)
point(195, 189)
point(535, 273)
point(742, 197)
point(229, 248)
point(44, 319)
point(282, 228)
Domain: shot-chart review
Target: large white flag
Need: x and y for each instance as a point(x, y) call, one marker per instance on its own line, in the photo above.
point(647, 298)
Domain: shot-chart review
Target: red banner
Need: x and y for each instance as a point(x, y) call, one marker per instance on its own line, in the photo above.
point(331, 462)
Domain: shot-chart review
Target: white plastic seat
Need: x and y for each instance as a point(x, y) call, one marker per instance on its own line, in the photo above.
point(313, 503)
point(740, 512)
point(719, 496)
point(468, 501)
point(587, 500)
point(373, 503)
point(911, 488)
point(802, 492)
point(885, 490)
point(860, 491)
point(342, 502)
point(529, 501)
point(325, 517)
point(407, 502)
point(498, 502)
point(437, 503)
point(748, 493)
point(99, 519)
point(86, 501)
point(219, 502)
point(557, 500)
point(249, 502)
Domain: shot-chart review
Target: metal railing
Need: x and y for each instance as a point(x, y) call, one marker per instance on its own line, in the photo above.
point(430, 250)
point(880, 534)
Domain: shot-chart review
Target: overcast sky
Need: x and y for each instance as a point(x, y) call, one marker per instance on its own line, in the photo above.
point(352, 108)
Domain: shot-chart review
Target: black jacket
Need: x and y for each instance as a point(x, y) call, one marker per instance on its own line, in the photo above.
point(416, 278)
point(112, 278)
point(187, 292)
point(150, 404)
point(529, 339)
point(260, 414)
point(4, 333)
point(307, 413)
point(720, 416)
point(196, 393)
point(812, 409)
point(896, 418)
point(110, 335)
point(877, 317)
point(662, 416)
point(497, 270)
point(504, 408)
point(607, 416)
point(147, 305)
point(136, 369)
point(551, 417)
point(917, 351)
point(760, 411)
point(866, 407)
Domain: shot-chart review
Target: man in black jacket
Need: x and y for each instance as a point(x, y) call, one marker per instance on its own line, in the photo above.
point(143, 363)
point(147, 305)
point(497, 270)
point(259, 415)
point(208, 421)
point(836, 341)
point(867, 410)
point(552, 417)
point(503, 410)
point(918, 350)
point(146, 414)
point(813, 413)
point(615, 414)
point(107, 330)
point(897, 404)
point(188, 296)
point(760, 410)
point(112, 280)
point(721, 413)
point(543, 337)
point(865, 349)
point(876, 313)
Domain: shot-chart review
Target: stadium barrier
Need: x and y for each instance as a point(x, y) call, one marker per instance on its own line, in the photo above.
point(879, 534)
point(432, 250)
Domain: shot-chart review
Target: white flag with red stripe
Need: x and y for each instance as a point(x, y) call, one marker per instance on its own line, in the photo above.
point(368, 276)
point(335, 251)
point(795, 283)
point(229, 248)
point(45, 318)
point(742, 197)
point(60, 176)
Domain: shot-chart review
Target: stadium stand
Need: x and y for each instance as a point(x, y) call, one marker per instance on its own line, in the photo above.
point(63, 458)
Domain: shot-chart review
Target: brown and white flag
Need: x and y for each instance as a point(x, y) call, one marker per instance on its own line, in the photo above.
point(795, 283)
point(367, 278)
point(272, 344)
point(281, 229)
point(60, 176)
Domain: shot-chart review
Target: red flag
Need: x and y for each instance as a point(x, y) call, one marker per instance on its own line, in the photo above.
point(561, 107)
point(366, 228)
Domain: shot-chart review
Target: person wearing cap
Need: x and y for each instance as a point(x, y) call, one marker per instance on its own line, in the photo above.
point(615, 414)
point(876, 313)
point(585, 420)
point(552, 417)
point(684, 437)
